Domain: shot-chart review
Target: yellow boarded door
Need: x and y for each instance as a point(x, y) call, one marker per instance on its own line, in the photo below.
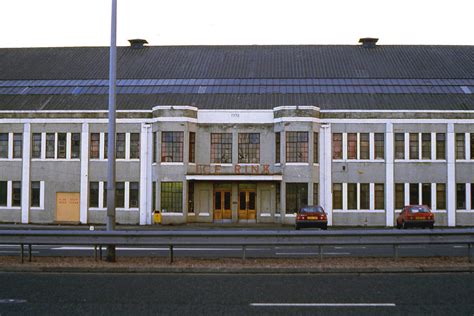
point(68, 206)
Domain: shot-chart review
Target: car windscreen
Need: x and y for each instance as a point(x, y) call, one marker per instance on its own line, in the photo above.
point(419, 209)
point(312, 209)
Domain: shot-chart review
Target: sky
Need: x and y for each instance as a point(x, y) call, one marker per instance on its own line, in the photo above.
point(45, 23)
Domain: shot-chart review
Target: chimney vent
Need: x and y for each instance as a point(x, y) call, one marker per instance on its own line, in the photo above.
point(368, 42)
point(137, 43)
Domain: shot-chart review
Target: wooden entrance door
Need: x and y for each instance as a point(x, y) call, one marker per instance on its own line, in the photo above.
point(247, 204)
point(222, 204)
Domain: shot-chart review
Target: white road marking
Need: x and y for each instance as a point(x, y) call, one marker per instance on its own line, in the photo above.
point(355, 247)
point(16, 251)
point(160, 248)
point(310, 253)
point(11, 301)
point(324, 304)
point(459, 246)
point(412, 247)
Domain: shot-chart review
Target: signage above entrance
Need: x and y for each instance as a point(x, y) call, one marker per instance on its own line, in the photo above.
point(235, 169)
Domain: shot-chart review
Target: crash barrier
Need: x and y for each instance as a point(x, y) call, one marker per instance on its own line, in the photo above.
point(238, 238)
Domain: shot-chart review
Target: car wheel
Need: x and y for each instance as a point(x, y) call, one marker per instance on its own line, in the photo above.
point(399, 226)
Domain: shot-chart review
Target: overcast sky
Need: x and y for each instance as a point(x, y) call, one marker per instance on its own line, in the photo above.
point(28, 23)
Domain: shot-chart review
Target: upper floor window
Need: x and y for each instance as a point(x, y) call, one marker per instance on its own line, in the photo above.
point(414, 146)
point(75, 145)
point(315, 147)
point(399, 146)
point(17, 145)
point(134, 145)
point(172, 146)
point(296, 146)
point(192, 147)
point(426, 146)
point(221, 147)
point(61, 145)
point(441, 146)
point(337, 146)
point(3, 145)
point(120, 146)
point(364, 146)
point(36, 145)
point(249, 147)
point(50, 144)
point(352, 146)
point(460, 146)
point(379, 145)
point(94, 151)
point(277, 147)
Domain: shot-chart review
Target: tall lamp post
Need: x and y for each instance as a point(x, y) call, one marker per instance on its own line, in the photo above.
point(111, 132)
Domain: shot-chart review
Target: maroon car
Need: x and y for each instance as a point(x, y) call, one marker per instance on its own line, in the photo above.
point(415, 216)
point(311, 216)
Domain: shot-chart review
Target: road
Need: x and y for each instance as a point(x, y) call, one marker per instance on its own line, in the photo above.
point(190, 294)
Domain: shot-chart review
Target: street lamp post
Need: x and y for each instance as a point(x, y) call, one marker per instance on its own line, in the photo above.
point(111, 132)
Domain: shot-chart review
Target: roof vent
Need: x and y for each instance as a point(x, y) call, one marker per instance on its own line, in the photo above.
point(137, 43)
point(368, 42)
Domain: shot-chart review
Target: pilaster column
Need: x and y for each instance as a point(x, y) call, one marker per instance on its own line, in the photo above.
point(25, 176)
point(389, 175)
point(84, 173)
point(325, 170)
point(145, 175)
point(451, 175)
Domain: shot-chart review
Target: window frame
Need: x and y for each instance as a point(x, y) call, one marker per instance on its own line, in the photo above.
point(297, 147)
point(171, 194)
point(249, 148)
point(221, 148)
point(172, 145)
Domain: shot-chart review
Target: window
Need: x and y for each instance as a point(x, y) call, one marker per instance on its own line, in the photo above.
point(315, 147)
point(460, 196)
point(3, 193)
point(364, 196)
point(426, 194)
point(414, 150)
point(120, 146)
point(171, 196)
point(35, 193)
point(154, 147)
point(277, 147)
point(440, 196)
point(192, 147)
point(153, 195)
point(399, 196)
point(75, 145)
point(61, 145)
point(104, 198)
point(119, 194)
point(472, 147)
point(106, 145)
point(36, 145)
point(379, 196)
point(460, 146)
point(16, 193)
point(426, 146)
point(379, 150)
point(364, 146)
point(440, 146)
point(296, 196)
point(3, 145)
point(352, 196)
point(133, 197)
point(172, 146)
point(134, 145)
point(94, 194)
point(50, 144)
point(249, 148)
point(296, 147)
point(414, 194)
point(17, 145)
point(337, 146)
point(315, 193)
point(94, 146)
point(337, 196)
point(399, 146)
point(278, 197)
point(221, 147)
point(190, 197)
point(352, 146)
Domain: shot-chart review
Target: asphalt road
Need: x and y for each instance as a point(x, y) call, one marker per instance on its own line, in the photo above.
point(188, 294)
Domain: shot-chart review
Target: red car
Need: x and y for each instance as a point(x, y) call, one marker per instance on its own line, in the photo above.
point(415, 216)
point(311, 216)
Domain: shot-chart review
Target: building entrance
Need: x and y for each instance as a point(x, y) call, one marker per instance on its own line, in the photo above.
point(247, 202)
point(222, 204)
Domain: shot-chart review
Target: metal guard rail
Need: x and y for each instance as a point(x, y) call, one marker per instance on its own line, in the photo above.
point(236, 238)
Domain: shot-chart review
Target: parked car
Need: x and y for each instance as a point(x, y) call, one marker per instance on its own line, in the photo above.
point(415, 216)
point(311, 216)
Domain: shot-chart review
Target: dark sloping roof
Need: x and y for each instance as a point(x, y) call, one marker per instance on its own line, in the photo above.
point(276, 61)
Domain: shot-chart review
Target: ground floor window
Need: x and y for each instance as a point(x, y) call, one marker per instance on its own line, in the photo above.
point(134, 196)
point(315, 193)
point(379, 196)
point(337, 196)
point(171, 196)
point(399, 195)
point(3, 193)
point(94, 194)
point(440, 196)
point(364, 196)
point(277, 197)
point(296, 196)
point(460, 196)
point(35, 193)
point(190, 197)
point(16, 193)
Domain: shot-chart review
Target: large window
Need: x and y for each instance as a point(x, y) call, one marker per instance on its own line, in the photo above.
point(249, 147)
point(296, 196)
point(3, 145)
point(379, 150)
point(36, 145)
point(134, 145)
point(315, 147)
point(75, 145)
point(171, 196)
point(3, 193)
point(364, 146)
point(426, 194)
point(337, 146)
point(441, 146)
point(94, 194)
point(95, 146)
point(16, 193)
point(337, 196)
point(192, 147)
point(134, 196)
point(440, 196)
point(120, 146)
point(296, 146)
point(399, 196)
point(17, 145)
point(61, 145)
point(379, 196)
point(221, 147)
point(399, 146)
point(35, 193)
point(352, 196)
point(364, 196)
point(414, 146)
point(460, 146)
point(460, 196)
point(426, 146)
point(277, 147)
point(352, 146)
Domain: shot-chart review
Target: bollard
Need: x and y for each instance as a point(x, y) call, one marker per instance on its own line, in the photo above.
point(95, 252)
point(171, 254)
point(21, 253)
point(469, 252)
point(100, 252)
point(395, 252)
point(320, 250)
point(243, 252)
point(30, 256)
